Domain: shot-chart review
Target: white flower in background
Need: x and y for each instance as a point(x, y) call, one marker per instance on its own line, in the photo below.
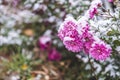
point(13, 37)
point(27, 16)
point(10, 18)
point(15, 77)
point(38, 77)
point(13, 34)
point(52, 19)
point(10, 23)
point(98, 67)
point(118, 49)
point(1, 40)
point(38, 6)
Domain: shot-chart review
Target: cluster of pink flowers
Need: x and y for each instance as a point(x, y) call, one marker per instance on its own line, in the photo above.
point(44, 44)
point(77, 36)
point(70, 36)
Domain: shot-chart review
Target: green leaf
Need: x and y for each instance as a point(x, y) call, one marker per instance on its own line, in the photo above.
point(116, 42)
point(110, 33)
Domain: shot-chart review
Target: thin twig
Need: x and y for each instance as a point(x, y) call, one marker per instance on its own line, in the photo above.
point(92, 68)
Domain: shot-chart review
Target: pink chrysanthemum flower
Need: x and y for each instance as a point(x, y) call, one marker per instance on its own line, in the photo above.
point(73, 41)
point(86, 35)
point(87, 42)
point(87, 38)
point(100, 50)
point(69, 35)
point(68, 25)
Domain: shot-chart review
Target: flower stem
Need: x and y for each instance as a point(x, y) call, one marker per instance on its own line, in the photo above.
point(92, 68)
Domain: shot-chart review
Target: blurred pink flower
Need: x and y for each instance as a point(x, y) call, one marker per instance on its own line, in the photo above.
point(68, 25)
point(54, 55)
point(92, 12)
point(110, 0)
point(100, 50)
point(44, 42)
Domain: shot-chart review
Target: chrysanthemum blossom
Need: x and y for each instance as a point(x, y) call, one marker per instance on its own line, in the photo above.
point(69, 35)
point(68, 25)
point(88, 40)
point(86, 35)
point(73, 41)
point(100, 50)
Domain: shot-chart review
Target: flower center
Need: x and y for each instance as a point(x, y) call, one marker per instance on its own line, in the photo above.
point(98, 51)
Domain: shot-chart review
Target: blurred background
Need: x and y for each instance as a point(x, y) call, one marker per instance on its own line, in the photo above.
point(31, 50)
